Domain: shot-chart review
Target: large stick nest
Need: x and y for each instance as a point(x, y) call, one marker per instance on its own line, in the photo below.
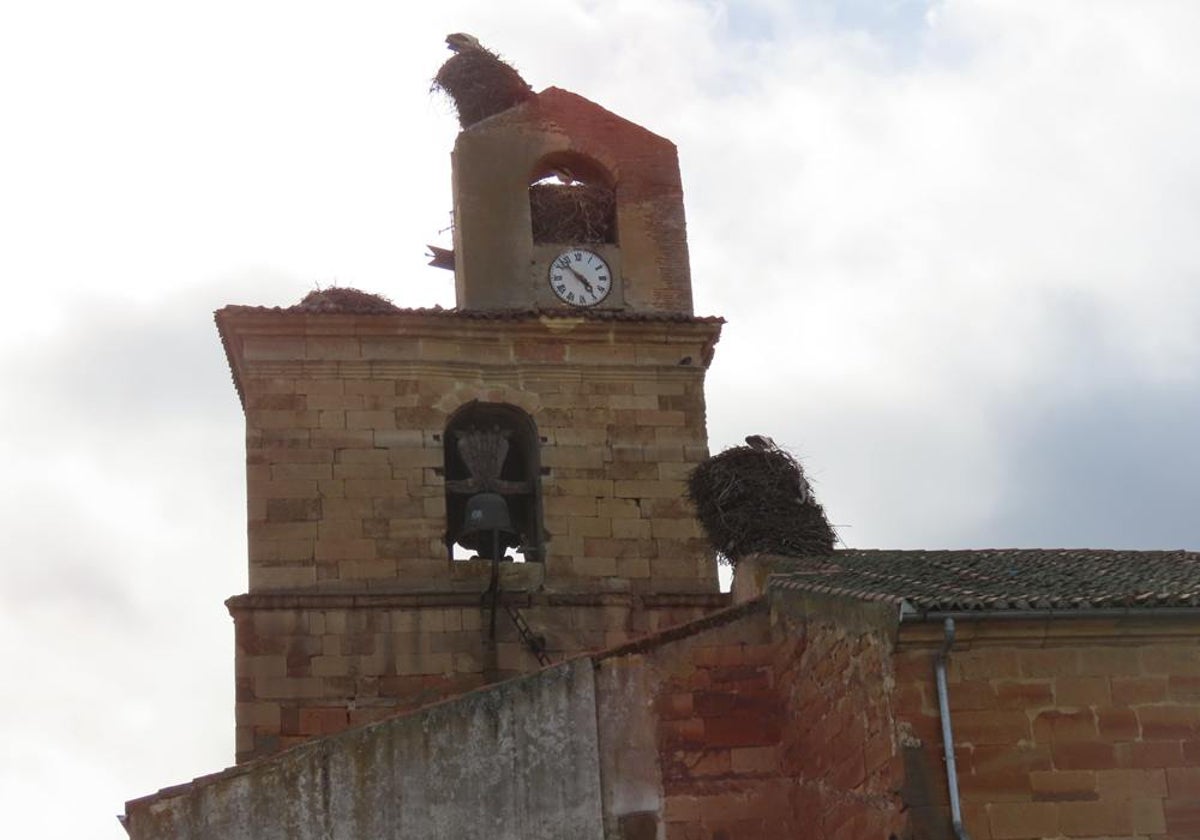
point(758, 501)
point(343, 299)
point(481, 84)
point(574, 213)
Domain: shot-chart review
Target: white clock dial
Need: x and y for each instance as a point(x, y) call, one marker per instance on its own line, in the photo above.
point(580, 277)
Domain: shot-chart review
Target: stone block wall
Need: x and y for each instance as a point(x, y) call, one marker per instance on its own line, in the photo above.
point(718, 719)
point(839, 745)
point(1062, 728)
point(344, 422)
point(812, 716)
point(760, 724)
point(497, 266)
point(310, 665)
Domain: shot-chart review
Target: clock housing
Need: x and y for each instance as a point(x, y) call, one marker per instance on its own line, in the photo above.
point(550, 293)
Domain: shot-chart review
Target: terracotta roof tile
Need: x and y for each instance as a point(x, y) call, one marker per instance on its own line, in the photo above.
point(387, 309)
point(1001, 579)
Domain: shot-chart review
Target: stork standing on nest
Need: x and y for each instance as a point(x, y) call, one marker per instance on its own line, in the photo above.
point(462, 42)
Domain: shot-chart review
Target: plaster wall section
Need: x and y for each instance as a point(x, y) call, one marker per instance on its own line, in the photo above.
point(497, 263)
point(518, 761)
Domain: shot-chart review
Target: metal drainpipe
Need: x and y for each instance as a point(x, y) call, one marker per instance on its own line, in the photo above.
point(939, 668)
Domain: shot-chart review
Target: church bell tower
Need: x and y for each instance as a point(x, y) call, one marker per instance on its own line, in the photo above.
point(438, 499)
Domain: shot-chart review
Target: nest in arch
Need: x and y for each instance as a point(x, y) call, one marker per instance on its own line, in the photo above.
point(345, 300)
point(752, 501)
point(481, 84)
point(575, 213)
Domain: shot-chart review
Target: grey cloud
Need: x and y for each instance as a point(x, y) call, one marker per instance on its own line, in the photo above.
point(1106, 469)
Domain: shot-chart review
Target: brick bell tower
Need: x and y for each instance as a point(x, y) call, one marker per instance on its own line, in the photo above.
point(439, 499)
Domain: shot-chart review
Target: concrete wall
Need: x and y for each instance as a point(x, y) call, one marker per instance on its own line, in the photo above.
point(516, 762)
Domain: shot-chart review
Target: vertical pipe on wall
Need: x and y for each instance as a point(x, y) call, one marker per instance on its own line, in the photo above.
point(943, 693)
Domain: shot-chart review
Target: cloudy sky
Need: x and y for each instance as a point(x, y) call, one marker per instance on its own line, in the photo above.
point(957, 244)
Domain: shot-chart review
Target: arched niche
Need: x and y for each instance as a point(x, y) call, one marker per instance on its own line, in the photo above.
point(572, 201)
point(493, 448)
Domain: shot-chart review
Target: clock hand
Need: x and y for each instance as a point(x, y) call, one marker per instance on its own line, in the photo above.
point(582, 280)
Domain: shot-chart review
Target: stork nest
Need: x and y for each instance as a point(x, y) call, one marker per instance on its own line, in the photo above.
point(753, 501)
point(481, 84)
point(344, 300)
point(574, 213)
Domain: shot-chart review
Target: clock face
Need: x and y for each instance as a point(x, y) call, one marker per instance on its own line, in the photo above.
point(580, 277)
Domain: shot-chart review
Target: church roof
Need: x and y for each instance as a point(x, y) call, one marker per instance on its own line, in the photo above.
point(1000, 579)
point(387, 308)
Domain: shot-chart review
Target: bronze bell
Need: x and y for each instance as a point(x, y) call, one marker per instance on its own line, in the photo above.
point(487, 528)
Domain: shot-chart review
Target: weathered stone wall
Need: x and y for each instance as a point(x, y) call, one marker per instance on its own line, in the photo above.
point(309, 665)
point(344, 423)
point(1065, 728)
point(516, 762)
point(839, 743)
point(690, 731)
point(355, 611)
point(496, 264)
point(754, 723)
point(814, 718)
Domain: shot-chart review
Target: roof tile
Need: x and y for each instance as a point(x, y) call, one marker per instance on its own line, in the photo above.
point(1001, 579)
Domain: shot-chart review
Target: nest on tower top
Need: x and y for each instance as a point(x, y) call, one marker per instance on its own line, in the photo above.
point(575, 213)
point(344, 300)
point(757, 501)
point(481, 84)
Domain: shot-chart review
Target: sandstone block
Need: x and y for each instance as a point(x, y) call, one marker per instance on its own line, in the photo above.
point(375, 488)
point(1151, 754)
point(328, 347)
point(355, 470)
point(273, 348)
point(1063, 785)
point(342, 438)
point(268, 419)
point(344, 549)
point(1162, 722)
point(1121, 784)
point(1147, 817)
point(1094, 819)
point(330, 666)
point(281, 577)
point(648, 489)
point(369, 386)
point(331, 419)
point(1012, 820)
point(367, 569)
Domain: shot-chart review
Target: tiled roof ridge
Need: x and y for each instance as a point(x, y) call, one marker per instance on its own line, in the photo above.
point(1001, 579)
point(484, 314)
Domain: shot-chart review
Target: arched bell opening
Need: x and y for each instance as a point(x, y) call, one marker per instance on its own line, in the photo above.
point(493, 504)
point(572, 200)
